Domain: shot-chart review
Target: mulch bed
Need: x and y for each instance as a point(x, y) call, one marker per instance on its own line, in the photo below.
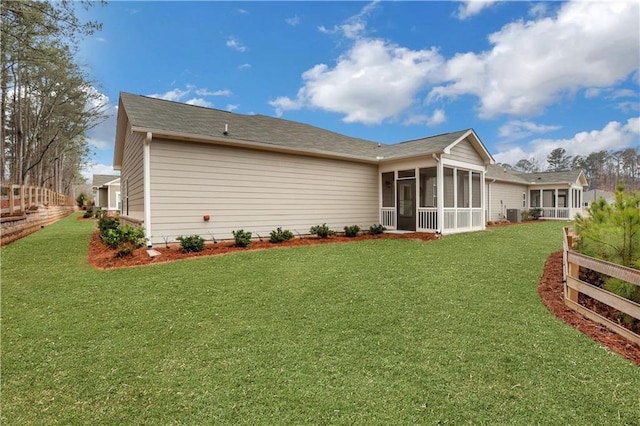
point(550, 289)
point(102, 257)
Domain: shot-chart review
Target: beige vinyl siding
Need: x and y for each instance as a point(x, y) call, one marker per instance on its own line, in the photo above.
point(132, 174)
point(254, 190)
point(504, 196)
point(464, 151)
point(113, 201)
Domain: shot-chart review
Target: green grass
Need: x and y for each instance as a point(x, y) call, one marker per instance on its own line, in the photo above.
point(372, 332)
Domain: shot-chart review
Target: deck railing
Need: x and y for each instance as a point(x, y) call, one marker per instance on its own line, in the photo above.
point(573, 286)
point(388, 217)
point(19, 198)
point(428, 219)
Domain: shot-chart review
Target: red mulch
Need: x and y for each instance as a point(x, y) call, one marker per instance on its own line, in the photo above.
point(551, 292)
point(102, 257)
point(550, 287)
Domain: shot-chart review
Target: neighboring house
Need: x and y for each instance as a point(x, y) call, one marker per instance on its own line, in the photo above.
point(106, 192)
point(189, 170)
point(594, 194)
point(558, 194)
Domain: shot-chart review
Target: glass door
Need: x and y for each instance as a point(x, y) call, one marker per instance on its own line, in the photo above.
point(407, 204)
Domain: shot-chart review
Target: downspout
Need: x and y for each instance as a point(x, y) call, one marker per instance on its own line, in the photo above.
point(146, 154)
point(440, 193)
point(488, 201)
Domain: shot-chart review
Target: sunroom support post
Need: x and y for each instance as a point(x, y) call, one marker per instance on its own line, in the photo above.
point(146, 153)
point(439, 193)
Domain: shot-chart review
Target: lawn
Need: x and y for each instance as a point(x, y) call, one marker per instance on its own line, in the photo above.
point(373, 332)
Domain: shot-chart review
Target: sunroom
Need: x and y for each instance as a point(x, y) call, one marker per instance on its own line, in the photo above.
point(434, 197)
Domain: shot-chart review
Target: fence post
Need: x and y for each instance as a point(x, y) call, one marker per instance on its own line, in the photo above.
point(11, 199)
point(22, 203)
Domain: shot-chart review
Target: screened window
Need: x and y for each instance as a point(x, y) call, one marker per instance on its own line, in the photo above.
point(449, 201)
point(463, 188)
point(388, 190)
point(476, 190)
point(428, 187)
point(406, 173)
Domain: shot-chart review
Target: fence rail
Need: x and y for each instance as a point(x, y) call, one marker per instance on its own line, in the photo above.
point(574, 286)
point(18, 198)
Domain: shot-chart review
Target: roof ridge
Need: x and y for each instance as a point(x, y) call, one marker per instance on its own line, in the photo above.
point(183, 103)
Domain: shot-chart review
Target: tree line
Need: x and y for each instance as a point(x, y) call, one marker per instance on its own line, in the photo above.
point(604, 170)
point(48, 102)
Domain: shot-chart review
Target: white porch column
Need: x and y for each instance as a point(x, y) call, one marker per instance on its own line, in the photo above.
point(440, 193)
point(146, 160)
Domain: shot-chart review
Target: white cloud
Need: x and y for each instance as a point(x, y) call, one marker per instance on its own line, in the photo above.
point(373, 81)
point(102, 136)
point(438, 117)
point(535, 63)
point(244, 66)
point(354, 26)
point(232, 107)
point(179, 95)
point(518, 129)
point(205, 92)
point(614, 136)
point(472, 8)
point(199, 102)
point(293, 21)
point(234, 43)
point(172, 95)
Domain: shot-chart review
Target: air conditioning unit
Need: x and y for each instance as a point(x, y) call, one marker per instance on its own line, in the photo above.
point(514, 215)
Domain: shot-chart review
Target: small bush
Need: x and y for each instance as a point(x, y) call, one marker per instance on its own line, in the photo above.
point(242, 238)
point(191, 243)
point(80, 200)
point(280, 235)
point(322, 231)
point(106, 223)
point(124, 239)
point(535, 213)
point(376, 229)
point(351, 231)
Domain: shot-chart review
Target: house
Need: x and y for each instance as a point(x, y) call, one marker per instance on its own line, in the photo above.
point(559, 195)
point(106, 192)
point(189, 170)
point(595, 194)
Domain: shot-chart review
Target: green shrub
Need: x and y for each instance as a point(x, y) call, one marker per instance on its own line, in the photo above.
point(376, 229)
point(81, 199)
point(242, 238)
point(535, 213)
point(191, 243)
point(322, 231)
point(124, 239)
point(351, 231)
point(106, 223)
point(280, 235)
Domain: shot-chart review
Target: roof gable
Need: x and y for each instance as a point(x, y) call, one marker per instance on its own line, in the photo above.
point(100, 180)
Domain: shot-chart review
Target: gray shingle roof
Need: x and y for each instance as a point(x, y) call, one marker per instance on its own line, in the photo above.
point(99, 180)
point(498, 172)
point(552, 177)
point(161, 115)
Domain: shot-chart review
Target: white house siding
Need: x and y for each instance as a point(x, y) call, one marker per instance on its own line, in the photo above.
point(113, 198)
point(254, 190)
point(502, 196)
point(465, 152)
point(132, 176)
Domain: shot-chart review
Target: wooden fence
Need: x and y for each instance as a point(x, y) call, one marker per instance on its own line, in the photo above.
point(18, 198)
point(573, 286)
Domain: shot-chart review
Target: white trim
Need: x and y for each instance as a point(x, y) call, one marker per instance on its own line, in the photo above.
point(463, 165)
point(146, 156)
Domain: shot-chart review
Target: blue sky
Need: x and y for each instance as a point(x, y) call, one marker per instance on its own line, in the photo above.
point(529, 77)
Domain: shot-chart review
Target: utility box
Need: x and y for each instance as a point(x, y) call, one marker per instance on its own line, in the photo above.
point(514, 215)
